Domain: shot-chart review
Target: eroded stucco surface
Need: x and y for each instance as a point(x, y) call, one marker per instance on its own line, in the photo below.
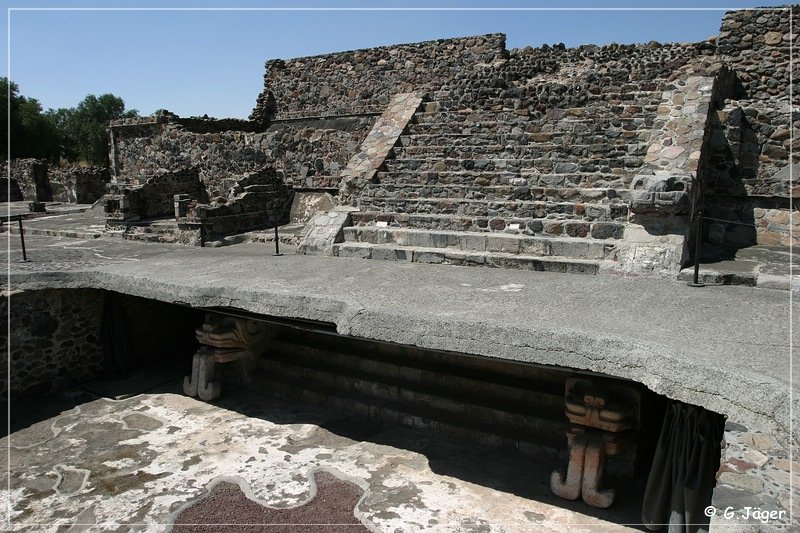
point(135, 464)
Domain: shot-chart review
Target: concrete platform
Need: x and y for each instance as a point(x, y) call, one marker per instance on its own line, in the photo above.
point(60, 220)
point(51, 208)
point(726, 348)
point(755, 266)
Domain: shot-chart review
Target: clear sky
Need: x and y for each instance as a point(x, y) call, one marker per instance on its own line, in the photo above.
point(212, 61)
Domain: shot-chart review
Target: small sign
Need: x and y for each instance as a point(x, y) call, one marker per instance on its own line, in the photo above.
point(513, 226)
point(382, 224)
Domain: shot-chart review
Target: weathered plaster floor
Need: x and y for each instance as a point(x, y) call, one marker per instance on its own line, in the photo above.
point(135, 464)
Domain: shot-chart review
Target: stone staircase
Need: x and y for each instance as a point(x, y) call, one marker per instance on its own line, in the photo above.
point(496, 188)
point(513, 407)
point(498, 404)
point(470, 248)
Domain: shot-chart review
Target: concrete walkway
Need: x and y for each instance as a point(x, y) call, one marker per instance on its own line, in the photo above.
point(753, 266)
point(723, 347)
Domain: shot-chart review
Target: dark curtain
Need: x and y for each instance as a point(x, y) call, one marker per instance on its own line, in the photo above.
point(684, 467)
point(116, 338)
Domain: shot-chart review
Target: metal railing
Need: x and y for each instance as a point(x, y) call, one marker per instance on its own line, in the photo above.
point(18, 218)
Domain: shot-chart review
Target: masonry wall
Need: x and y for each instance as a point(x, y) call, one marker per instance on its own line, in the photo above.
point(750, 142)
point(308, 155)
point(35, 179)
point(31, 178)
point(154, 197)
point(83, 185)
point(536, 80)
point(363, 81)
point(55, 339)
point(756, 44)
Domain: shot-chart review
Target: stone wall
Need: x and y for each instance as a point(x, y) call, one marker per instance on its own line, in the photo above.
point(751, 134)
point(154, 197)
point(363, 81)
point(35, 180)
point(308, 154)
point(82, 185)
point(756, 44)
point(758, 486)
point(55, 339)
point(9, 190)
point(31, 178)
point(575, 113)
point(610, 79)
point(258, 200)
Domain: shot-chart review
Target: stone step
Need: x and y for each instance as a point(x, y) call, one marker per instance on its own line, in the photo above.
point(529, 226)
point(605, 111)
point(534, 105)
point(540, 160)
point(476, 386)
point(75, 233)
point(511, 150)
point(449, 256)
point(571, 178)
point(578, 247)
point(549, 172)
point(523, 72)
point(498, 192)
point(605, 116)
point(417, 416)
point(517, 138)
point(468, 396)
point(495, 209)
point(439, 125)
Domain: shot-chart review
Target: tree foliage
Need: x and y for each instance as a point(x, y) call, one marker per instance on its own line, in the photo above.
point(75, 134)
point(33, 133)
point(85, 126)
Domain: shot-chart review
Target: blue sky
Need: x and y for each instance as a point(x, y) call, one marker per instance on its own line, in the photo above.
point(212, 62)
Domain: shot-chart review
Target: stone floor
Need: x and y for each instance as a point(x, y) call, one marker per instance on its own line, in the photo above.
point(83, 463)
point(756, 266)
point(63, 220)
point(761, 266)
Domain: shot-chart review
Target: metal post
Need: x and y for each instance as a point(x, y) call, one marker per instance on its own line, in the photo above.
point(277, 240)
point(22, 238)
point(698, 240)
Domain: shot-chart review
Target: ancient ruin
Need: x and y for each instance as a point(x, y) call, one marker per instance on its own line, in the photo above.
point(588, 182)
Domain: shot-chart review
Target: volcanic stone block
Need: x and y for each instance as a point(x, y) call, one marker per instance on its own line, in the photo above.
point(502, 243)
point(428, 257)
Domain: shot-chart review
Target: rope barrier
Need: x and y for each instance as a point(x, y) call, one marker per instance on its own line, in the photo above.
point(730, 221)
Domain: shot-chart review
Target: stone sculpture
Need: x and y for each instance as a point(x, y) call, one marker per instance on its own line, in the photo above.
point(223, 339)
point(661, 193)
point(603, 421)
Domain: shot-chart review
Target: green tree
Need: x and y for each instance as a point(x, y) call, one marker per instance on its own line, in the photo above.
point(33, 133)
point(84, 126)
point(75, 134)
